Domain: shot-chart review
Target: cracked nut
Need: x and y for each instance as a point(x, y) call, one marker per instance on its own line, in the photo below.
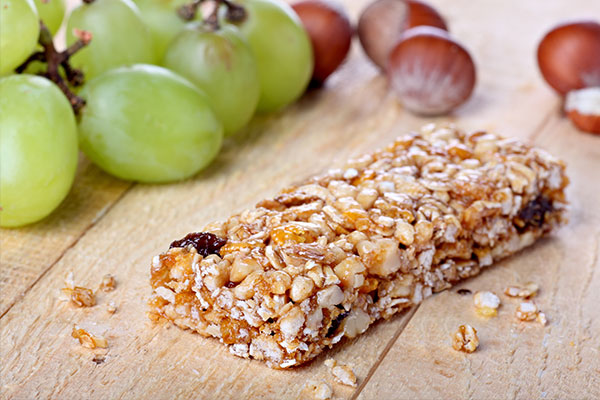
point(529, 290)
point(319, 390)
point(341, 373)
point(88, 340)
point(465, 339)
point(486, 304)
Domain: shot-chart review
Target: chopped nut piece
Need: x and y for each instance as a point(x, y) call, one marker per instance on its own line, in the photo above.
point(527, 311)
point(80, 296)
point(111, 307)
point(530, 290)
point(108, 283)
point(302, 287)
point(541, 318)
point(465, 339)
point(486, 303)
point(88, 340)
point(319, 390)
point(341, 373)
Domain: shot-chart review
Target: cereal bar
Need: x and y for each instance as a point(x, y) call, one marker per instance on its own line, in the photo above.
point(327, 258)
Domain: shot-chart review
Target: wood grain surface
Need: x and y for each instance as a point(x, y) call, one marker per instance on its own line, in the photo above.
point(110, 226)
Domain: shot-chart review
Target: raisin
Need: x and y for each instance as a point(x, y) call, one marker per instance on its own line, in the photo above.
point(205, 243)
point(463, 292)
point(335, 323)
point(534, 213)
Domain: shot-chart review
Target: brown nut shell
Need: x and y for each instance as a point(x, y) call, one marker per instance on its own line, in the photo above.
point(569, 56)
point(430, 72)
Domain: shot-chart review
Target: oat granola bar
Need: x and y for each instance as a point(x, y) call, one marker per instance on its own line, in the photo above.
point(327, 258)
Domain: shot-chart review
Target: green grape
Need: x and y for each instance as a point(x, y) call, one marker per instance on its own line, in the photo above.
point(148, 124)
point(221, 64)
point(161, 18)
point(119, 36)
point(38, 148)
point(282, 51)
point(51, 12)
point(19, 31)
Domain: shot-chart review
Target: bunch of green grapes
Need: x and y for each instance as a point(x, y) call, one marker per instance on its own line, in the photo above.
point(159, 92)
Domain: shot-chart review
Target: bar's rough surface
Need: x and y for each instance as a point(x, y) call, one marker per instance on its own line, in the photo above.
point(327, 258)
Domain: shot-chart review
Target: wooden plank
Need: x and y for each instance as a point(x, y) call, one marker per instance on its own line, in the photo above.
point(516, 359)
point(27, 253)
point(354, 114)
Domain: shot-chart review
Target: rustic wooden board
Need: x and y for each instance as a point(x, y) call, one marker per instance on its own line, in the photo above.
point(108, 228)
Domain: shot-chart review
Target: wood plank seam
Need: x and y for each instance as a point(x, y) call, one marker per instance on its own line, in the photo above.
point(83, 233)
point(542, 126)
point(409, 314)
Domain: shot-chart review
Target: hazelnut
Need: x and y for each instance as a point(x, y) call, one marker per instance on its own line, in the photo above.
point(430, 72)
point(583, 109)
point(330, 34)
point(382, 23)
point(569, 56)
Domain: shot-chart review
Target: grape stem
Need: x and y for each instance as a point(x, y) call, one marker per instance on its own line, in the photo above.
point(55, 59)
point(235, 12)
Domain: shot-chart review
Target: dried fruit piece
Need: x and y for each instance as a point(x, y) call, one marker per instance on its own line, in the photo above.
point(205, 243)
point(465, 339)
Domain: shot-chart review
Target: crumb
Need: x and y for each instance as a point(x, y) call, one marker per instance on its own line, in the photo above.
point(111, 307)
point(319, 390)
point(153, 316)
point(69, 280)
point(79, 296)
point(527, 311)
point(108, 283)
point(99, 359)
point(530, 290)
point(341, 373)
point(465, 339)
point(541, 318)
point(486, 303)
point(88, 340)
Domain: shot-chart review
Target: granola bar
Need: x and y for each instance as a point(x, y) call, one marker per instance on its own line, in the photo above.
point(326, 258)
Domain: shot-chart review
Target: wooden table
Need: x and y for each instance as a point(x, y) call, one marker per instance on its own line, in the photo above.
point(109, 226)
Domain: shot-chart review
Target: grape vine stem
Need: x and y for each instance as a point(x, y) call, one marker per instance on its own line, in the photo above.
point(235, 12)
point(56, 59)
